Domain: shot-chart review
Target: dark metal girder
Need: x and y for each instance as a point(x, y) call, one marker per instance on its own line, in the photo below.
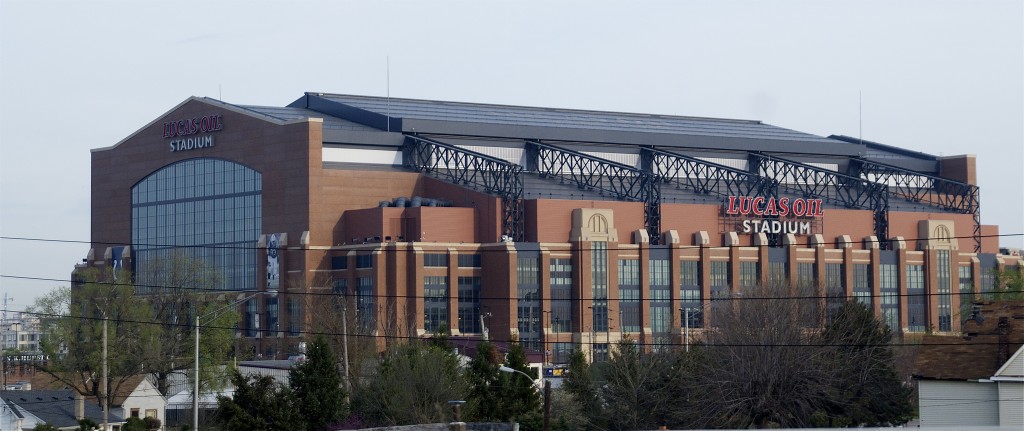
point(829, 186)
point(704, 177)
point(594, 173)
point(925, 189)
point(464, 167)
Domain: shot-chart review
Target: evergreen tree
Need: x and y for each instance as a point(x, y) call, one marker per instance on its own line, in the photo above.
point(317, 386)
point(411, 384)
point(579, 383)
point(520, 394)
point(870, 393)
point(500, 396)
point(258, 404)
point(484, 382)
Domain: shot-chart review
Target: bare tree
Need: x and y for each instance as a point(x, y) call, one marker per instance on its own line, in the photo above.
point(767, 366)
point(764, 367)
point(640, 391)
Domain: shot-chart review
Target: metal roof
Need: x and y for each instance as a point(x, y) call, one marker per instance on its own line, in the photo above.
point(568, 118)
point(286, 113)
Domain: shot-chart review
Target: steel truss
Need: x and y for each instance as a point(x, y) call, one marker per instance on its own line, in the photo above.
point(708, 178)
point(594, 173)
point(464, 167)
point(832, 187)
point(926, 189)
point(704, 177)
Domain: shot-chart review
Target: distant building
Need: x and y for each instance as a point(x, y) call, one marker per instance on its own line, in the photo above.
point(21, 332)
point(560, 228)
point(976, 379)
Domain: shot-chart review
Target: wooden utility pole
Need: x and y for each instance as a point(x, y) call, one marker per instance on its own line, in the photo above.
point(103, 386)
point(547, 405)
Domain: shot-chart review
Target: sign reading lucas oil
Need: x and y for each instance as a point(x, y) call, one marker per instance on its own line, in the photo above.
point(193, 133)
point(774, 215)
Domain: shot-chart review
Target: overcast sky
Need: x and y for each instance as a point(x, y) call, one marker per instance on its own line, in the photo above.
point(942, 77)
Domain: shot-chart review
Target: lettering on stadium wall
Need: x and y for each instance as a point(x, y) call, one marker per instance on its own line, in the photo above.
point(759, 214)
point(187, 128)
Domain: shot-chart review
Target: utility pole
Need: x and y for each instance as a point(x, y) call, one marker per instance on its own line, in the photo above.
point(103, 386)
point(547, 405)
point(195, 389)
point(344, 349)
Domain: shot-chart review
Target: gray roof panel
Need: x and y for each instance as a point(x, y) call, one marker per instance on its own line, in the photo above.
point(569, 118)
point(290, 113)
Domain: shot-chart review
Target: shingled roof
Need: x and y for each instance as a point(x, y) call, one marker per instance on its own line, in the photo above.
point(56, 408)
point(995, 331)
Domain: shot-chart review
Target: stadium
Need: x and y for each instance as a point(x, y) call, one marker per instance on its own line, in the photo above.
point(560, 228)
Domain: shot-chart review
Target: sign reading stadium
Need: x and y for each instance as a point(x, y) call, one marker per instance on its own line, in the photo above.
point(187, 129)
point(774, 215)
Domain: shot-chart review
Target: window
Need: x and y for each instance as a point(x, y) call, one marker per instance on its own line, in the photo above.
point(600, 352)
point(560, 352)
point(339, 262)
point(435, 260)
point(889, 289)
point(469, 261)
point(719, 286)
point(689, 293)
point(469, 305)
point(862, 284)
point(599, 285)
point(528, 309)
point(661, 296)
point(805, 274)
point(561, 295)
point(435, 303)
point(916, 318)
point(272, 318)
point(943, 290)
point(777, 271)
point(365, 306)
point(252, 317)
point(294, 317)
point(364, 261)
point(966, 291)
point(835, 288)
point(748, 274)
point(629, 295)
point(205, 209)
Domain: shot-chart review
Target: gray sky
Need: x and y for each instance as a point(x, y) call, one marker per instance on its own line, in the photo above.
point(942, 77)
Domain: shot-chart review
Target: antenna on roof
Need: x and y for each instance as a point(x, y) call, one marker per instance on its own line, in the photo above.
point(220, 94)
point(388, 90)
point(860, 116)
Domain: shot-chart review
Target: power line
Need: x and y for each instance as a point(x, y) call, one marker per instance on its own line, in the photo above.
point(375, 244)
point(483, 297)
point(509, 340)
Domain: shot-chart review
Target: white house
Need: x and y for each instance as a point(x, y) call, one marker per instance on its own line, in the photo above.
point(1010, 391)
point(141, 400)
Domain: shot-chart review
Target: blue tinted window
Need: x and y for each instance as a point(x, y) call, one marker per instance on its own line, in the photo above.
point(173, 212)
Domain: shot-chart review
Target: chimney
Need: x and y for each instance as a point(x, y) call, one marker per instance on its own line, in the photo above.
point(1004, 340)
point(79, 406)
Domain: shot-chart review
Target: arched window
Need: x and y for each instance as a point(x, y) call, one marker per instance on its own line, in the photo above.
point(209, 209)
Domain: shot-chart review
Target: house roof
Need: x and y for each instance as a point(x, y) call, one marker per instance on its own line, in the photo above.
point(56, 408)
point(993, 334)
